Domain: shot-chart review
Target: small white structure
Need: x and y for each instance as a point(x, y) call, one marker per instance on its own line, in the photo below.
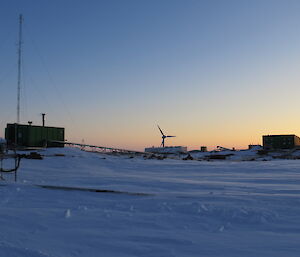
point(167, 150)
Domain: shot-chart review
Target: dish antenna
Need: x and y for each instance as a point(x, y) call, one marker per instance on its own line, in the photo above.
point(163, 137)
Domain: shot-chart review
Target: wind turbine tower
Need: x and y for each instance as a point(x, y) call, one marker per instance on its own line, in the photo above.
point(163, 137)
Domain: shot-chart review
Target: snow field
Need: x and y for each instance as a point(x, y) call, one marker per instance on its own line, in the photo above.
point(193, 208)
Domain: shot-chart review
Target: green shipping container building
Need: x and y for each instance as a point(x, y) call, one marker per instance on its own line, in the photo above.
point(34, 136)
point(273, 142)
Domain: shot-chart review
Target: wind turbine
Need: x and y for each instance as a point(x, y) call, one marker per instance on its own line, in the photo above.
point(163, 137)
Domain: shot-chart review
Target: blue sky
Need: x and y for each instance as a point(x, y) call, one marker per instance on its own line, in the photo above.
point(210, 72)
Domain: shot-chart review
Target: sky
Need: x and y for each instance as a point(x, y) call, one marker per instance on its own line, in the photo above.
point(211, 72)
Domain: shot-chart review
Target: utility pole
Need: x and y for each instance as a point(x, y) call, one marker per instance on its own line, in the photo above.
point(19, 67)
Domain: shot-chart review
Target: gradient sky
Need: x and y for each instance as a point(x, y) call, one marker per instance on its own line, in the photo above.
point(210, 72)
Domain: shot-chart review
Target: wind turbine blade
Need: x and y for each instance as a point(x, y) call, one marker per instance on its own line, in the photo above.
point(171, 136)
point(160, 130)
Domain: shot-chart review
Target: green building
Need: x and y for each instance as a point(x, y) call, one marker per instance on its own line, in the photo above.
point(274, 142)
point(34, 136)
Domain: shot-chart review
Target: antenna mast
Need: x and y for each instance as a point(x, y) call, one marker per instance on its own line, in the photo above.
point(19, 66)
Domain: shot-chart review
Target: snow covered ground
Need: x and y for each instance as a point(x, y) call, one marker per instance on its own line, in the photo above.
point(190, 208)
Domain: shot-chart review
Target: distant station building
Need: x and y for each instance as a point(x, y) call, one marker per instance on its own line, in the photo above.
point(203, 148)
point(253, 147)
point(275, 142)
point(34, 136)
point(167, 150)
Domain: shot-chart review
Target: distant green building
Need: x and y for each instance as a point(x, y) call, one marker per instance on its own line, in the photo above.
point(34, 136)
point(274, 142)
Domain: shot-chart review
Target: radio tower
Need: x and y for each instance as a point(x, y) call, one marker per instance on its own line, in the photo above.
point(19, 67)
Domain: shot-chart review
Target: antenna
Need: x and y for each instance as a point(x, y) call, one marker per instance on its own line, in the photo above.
point(163, 137)
point(19, 66)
